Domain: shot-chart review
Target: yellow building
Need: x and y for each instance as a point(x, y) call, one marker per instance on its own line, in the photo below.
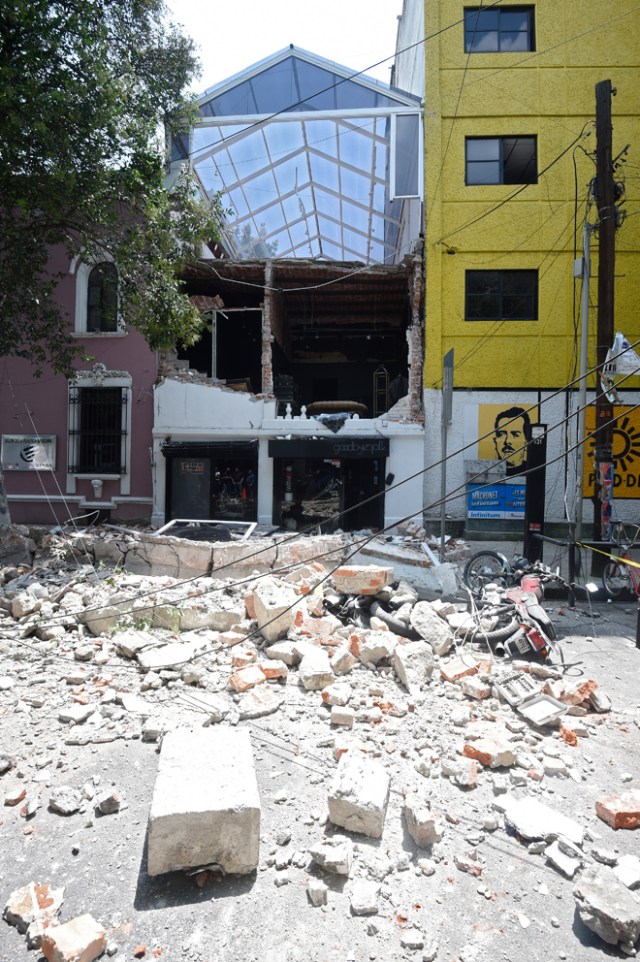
point(510, 155)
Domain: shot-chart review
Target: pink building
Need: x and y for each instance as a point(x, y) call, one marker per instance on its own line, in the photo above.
point(81, 447)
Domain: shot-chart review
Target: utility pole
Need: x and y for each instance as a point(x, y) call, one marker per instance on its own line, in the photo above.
point(605, 196)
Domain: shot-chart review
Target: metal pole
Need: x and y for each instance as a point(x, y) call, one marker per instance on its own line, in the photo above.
point(443, 488)
point(582, 393)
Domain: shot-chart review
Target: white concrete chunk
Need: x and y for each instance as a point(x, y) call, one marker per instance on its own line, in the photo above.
point(274, 606)
point(532, 819)
point(205, 807)
point(413, 663)
point(430, 626)
point(315, 669)
point(359, 795)
point(607, 907)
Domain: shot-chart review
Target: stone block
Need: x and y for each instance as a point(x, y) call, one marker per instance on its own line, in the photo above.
point(274, 603)
point(431, 627)
point(359, 795)
point(246, 678)
point(80, 940)
point(343, 661)
point(374, 646)
point(338, 693)
point(607, 907)
point(620, 811)
point(205, 807)
point(413, 663)
point(491, 750)
point(423, 826)
point(334, 855)
point(315, 669)
point(343, 716)
point(361, 579)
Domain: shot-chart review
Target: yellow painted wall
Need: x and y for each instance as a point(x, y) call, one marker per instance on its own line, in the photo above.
point(550, 93)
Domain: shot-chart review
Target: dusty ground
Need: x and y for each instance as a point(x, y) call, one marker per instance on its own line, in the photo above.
point(518, 907)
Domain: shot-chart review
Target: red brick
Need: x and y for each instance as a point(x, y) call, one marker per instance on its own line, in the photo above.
point(620, 811)
point(80, 940)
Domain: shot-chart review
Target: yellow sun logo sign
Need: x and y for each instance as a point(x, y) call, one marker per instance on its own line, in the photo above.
point(625, 449)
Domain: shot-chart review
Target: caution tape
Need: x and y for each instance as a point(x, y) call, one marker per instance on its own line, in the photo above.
point(612, 557)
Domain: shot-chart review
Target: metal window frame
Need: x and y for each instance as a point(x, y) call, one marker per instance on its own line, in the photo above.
point(75, 465)
point(500, 316)
point(500, 138)
point(528, 8)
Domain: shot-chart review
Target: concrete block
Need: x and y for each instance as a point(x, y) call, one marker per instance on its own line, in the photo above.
point(423, 826)
point(205, 807)
point(374, 646)
point(361, 579)
point(413, 663)
point(607, 907)
point(246, 678)
point(343, 716)
point(315, 669)
point(334, 855)
point(359, 795)
point(80, 940)
point(430, 626)
point(491, 750)
point(343, 661)
point(274, 603)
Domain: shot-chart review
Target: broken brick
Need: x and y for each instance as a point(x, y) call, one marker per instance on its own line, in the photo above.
point(620, 811)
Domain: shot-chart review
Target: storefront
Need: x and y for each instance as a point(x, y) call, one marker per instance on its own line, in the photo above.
point(209, 480)
point(329, 482)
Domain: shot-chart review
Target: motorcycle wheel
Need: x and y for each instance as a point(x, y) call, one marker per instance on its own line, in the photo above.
point(615, 579)
point(486, 567)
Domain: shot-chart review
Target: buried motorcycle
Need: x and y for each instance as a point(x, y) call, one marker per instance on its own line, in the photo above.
point(510, 619)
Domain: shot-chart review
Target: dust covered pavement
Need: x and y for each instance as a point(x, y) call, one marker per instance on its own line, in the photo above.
point(459, 829)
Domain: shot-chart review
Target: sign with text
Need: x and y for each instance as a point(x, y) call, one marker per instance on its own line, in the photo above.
point(504, 500)
point(28, 452)
point(625, 450)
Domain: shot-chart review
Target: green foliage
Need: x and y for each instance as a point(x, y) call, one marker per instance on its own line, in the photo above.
point(85, 86)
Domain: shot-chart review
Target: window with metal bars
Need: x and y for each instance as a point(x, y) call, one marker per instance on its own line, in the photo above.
point(98, 430)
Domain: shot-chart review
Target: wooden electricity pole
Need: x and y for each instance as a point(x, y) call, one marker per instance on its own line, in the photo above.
point(605, 196)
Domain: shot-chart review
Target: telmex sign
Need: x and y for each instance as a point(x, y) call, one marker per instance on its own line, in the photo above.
point(28, 452)
point(626, 452)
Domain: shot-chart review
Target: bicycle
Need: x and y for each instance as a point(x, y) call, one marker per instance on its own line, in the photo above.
point(619, 574)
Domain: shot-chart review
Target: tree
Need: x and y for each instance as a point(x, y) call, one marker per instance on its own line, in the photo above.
point(85, 86)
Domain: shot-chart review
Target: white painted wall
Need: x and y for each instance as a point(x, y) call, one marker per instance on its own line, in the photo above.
point(202, 412)
point(561, 436)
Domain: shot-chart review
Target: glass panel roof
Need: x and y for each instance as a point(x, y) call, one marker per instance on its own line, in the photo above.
point(299, 185)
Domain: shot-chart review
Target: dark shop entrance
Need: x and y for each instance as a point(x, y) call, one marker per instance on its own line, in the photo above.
point(325, 482)
point(211, 481)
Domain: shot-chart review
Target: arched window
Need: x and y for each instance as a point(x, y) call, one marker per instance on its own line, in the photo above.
point(102, 298)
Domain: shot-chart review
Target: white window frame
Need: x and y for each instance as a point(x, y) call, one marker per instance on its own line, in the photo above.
point(82, 268)
point(99, 376)
point(392, 157)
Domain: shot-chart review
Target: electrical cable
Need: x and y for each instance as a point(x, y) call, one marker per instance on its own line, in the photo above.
point(52, 621)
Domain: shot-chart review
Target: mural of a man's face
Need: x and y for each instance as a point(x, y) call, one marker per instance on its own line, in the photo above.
point(510, 441)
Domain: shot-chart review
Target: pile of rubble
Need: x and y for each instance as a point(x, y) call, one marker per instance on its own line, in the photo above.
point(407, 720)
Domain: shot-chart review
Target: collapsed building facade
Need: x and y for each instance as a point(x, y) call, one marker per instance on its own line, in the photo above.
point(302, 403)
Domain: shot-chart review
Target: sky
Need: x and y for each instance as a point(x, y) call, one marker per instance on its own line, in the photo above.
point(238, 33)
